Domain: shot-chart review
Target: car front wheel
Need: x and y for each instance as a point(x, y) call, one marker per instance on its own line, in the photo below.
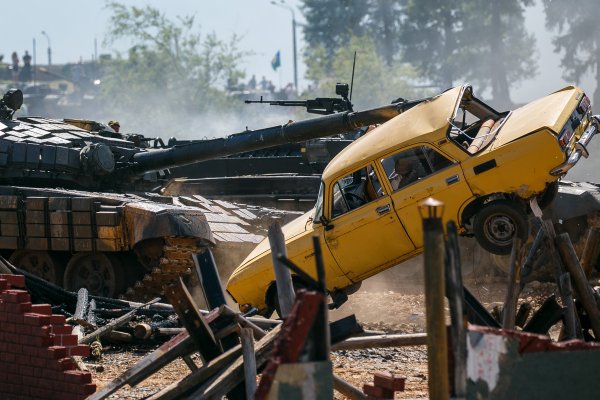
point(497, 223)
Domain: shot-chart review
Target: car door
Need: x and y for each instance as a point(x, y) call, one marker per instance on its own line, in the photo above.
point(364, 234)
point(433, 174)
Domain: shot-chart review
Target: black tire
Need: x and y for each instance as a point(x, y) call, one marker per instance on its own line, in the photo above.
point(497, 223)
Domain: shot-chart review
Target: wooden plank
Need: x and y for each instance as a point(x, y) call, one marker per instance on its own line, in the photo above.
point(192, 319)
point(283, 277)
point(512, 293)
point(381, 341)
point(106, 329)
point(584, 291)
point(247, 339)
point(178, 346)
point(351, 392)
point(591, 251)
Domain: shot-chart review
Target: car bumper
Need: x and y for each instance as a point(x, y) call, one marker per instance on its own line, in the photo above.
point(580, 148)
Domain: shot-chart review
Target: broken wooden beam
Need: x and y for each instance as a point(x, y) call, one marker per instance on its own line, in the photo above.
point(381, 341)
point(512, 293)
point(584, 291)
point(178, 346)
point(348, 390)
point(283, 277)
point(106, 329)
point(192, 320)
point(247, 340)
point(591, 251)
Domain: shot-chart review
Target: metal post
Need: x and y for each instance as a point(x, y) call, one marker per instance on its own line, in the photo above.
point(437, 345)
point(512, 292)
point(283, 277)
point(321, 324)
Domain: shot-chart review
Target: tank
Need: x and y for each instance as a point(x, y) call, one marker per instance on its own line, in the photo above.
point(79, 204)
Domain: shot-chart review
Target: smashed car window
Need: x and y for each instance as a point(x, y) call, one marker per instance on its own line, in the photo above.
point(474, 124)
point(410, 165)
point(355, 190)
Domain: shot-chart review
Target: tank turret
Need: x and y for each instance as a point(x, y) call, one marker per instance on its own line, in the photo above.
point(74, 206)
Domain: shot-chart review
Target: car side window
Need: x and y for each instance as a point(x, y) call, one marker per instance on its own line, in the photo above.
point(354, 190)
point(411, 165)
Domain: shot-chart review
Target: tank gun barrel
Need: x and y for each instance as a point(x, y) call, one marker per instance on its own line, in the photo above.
point(297, 131)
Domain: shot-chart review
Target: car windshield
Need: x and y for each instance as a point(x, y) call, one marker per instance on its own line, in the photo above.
point(474, 123)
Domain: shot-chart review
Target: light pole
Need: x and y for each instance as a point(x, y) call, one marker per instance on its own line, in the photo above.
point(49, 50)
point(287, 7)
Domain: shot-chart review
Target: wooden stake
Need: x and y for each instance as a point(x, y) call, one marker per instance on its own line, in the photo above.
point(283, 277)
point(591, 251)
point(249, 361)
point(512, 293)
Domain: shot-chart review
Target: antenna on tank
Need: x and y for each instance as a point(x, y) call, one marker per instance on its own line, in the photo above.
point(352, 79)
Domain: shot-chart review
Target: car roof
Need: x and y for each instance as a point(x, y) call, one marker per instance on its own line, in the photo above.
point(423, 122)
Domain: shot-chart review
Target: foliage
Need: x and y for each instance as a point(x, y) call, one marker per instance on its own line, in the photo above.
point(375, 82)
point(170, 67)
point(478, 40)
point(578, 38)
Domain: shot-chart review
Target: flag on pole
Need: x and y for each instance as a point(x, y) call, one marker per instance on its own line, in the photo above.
point(276, 61)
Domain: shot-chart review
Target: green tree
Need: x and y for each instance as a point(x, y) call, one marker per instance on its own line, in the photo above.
point(169, 68)
point(431, 37)
point(497, 51)
point(384, 26)
point(375, 83)
point(478, 40)
point(331, 23)
point(578, 38)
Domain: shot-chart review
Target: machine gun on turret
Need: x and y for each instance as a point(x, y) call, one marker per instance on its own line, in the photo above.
point(319, 105)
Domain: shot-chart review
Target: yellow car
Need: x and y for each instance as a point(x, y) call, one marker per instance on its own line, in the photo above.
point(482, 164)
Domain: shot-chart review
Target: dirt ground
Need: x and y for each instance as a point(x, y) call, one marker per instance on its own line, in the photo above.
point(391, 302)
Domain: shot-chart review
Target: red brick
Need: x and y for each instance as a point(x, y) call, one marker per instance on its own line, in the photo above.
point(388, 381)
point(18, 308)
point(24, 360)
point(38, 372)
point(9, 328)
point(78, 377)
point(51, 374)
point(37, 341)
point(12, 338)
point(26, 370)
point(57, 319)
point(65, 340)
point(82, 350)
point(3, 284)
point(45, 384)
point(65, 364)
point(38, 362)
point(15, 296)
point(16, 349)
point(45, 330)
point(23, 329)
point(371, 390)
point(58, 352)
point(36, 319)
point(14, 378)
point(14, 280)
point(45, 309)
point(14, 318)
point(7, 357)
point(62, 329)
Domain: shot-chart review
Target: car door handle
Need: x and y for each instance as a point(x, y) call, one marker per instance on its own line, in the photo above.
point(383, 209)
point(452, 179)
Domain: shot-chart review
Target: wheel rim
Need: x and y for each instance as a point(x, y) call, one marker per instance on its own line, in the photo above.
point(94, 271)
point(39, 263)
point(500, 229)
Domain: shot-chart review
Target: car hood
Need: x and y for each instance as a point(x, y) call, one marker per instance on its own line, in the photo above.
point(550, 111)
point(290, 230)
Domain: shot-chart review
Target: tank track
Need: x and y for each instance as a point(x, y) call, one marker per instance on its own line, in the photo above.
point(175, 261)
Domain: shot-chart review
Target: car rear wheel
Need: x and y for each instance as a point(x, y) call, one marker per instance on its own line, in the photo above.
point(497, 223)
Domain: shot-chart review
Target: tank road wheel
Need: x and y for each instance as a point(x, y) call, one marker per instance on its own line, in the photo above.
point(497, 223)
point(39, 263)
point(100, 274)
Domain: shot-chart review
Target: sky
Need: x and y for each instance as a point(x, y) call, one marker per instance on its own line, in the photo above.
point(73, 27)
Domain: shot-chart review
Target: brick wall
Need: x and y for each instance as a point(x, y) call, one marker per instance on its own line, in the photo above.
point(36, 348)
